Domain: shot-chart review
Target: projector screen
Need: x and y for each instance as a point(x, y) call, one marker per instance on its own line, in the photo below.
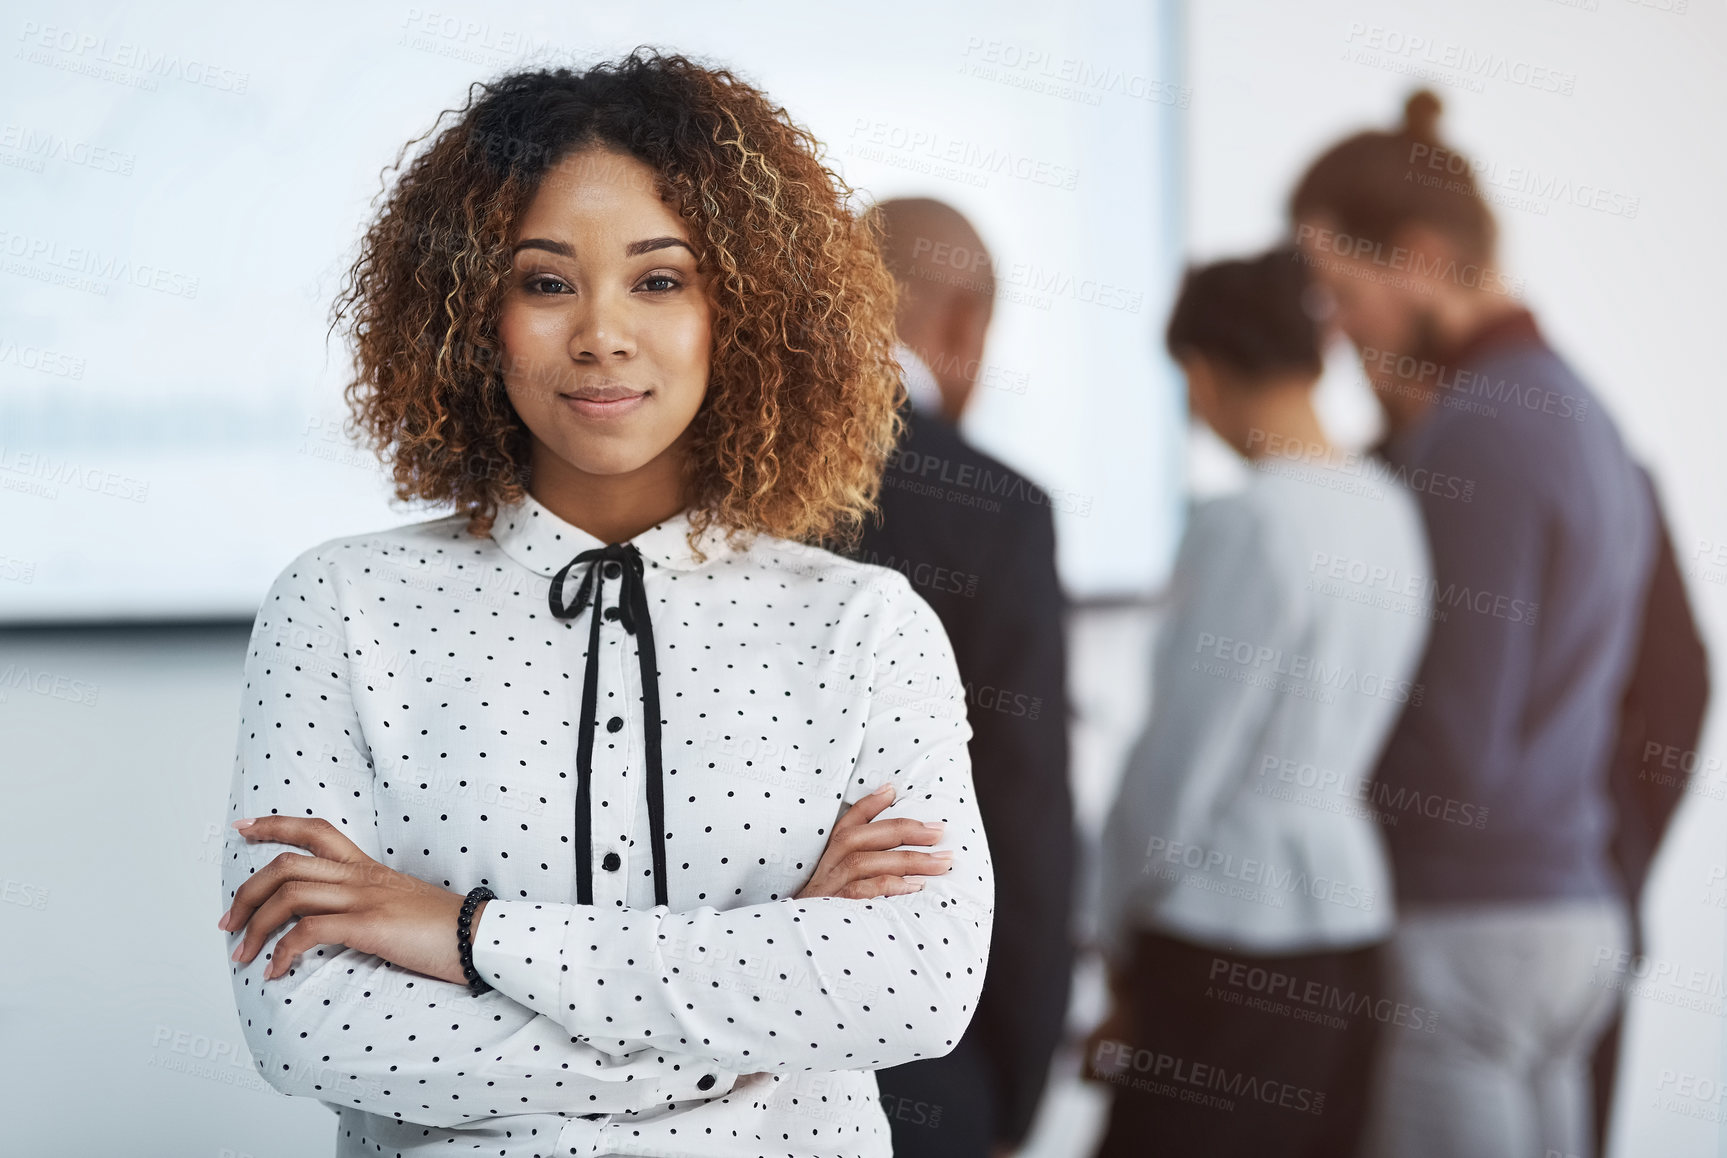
point(180, 207)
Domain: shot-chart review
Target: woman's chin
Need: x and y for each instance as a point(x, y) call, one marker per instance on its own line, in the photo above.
point(608, 462)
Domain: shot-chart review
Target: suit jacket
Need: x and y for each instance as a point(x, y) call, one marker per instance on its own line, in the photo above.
point(1660, 719)
point(977, 540)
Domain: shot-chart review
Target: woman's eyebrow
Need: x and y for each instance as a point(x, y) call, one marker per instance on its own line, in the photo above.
point(637, 248)
point(545, 243)
point(633, 249)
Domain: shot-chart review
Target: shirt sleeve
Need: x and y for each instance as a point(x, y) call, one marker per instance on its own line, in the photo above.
point(891, 979)
point(349, 1028)
point(1229, 600)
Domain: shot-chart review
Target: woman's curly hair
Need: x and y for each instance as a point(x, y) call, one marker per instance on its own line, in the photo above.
point(802, 407)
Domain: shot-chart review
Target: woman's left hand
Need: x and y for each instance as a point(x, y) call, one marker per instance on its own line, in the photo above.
point(342, 897)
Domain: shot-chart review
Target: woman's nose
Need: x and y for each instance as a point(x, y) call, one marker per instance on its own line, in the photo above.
point(602, 330)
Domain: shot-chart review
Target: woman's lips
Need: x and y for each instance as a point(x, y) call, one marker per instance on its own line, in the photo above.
point(593, 408)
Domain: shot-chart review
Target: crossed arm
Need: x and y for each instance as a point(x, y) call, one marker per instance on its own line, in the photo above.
point(357, 998)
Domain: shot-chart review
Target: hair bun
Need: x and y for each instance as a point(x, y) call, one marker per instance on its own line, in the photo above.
point(1421, 115)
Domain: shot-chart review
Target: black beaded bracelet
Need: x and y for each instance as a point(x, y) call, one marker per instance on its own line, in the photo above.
point(465, 937)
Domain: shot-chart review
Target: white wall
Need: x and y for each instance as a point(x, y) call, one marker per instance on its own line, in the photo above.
point(1635, 301)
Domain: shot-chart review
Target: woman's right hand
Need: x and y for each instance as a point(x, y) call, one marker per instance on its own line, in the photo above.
point(857, 862)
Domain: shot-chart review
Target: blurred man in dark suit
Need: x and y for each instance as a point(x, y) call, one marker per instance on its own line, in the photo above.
point(977, 541)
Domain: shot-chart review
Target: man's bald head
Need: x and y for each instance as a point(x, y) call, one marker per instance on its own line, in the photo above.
point(934, 252)
point(947, 289)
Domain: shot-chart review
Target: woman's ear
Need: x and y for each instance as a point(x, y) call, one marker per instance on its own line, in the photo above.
point(1320, 305)
point(1201, 386)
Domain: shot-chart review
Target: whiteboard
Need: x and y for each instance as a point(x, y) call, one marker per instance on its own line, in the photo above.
point(183, 188)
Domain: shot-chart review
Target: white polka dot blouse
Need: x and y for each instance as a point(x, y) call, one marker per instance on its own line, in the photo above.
point(644, 761)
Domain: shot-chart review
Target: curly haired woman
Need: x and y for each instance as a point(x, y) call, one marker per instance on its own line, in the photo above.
point(606, 814)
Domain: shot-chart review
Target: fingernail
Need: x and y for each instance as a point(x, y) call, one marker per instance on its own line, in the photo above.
point(243, 825)
point(222, 921)
point(943, 854)
point(882, 789)
point(235, 955)
point(937, 827)
point(917, 882)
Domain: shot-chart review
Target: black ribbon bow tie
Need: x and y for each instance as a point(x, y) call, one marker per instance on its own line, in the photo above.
point(614, 561)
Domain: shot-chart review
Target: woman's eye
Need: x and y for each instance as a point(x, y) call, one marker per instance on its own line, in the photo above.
point(670, 283)
point(537, 284)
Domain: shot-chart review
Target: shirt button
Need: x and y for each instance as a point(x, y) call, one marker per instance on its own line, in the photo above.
point(707, 1082)
point(614, 724)
point(613, 570)
point(611, 863)
point(611, 613)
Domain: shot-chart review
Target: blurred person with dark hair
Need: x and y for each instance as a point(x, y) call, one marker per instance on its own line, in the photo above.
point(1543, 536)
point(1245, 886)
point(990, 576)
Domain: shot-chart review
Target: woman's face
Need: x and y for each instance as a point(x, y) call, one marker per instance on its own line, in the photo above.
point(605, 324)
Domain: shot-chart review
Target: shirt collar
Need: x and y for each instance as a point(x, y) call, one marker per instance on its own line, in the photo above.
point(920, 380)
point(531, 535)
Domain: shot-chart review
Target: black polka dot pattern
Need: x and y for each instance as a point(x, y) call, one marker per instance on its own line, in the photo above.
point(412, 688)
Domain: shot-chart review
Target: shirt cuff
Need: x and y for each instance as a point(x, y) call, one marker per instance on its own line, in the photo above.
point(518, 950)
